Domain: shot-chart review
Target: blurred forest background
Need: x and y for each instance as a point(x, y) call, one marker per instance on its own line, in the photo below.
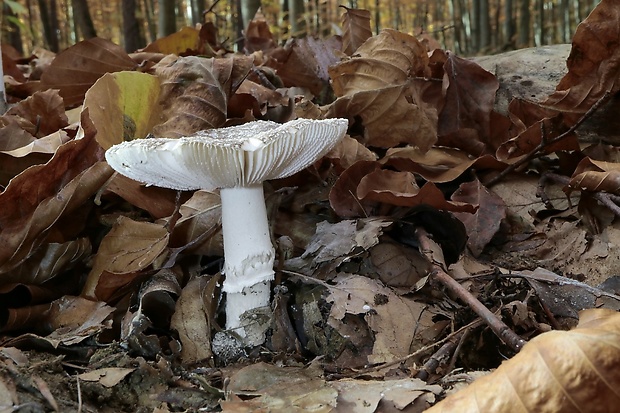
point(468, 27)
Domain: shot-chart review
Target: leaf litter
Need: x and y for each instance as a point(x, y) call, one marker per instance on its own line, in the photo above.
point(458, 224)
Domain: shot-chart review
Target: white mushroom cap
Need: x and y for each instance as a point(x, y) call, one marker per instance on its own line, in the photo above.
point(229, 157)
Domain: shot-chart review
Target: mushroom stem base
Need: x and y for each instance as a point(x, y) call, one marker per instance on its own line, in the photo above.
point(252, 297)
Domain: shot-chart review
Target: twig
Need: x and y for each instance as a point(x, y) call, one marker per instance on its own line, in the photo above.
point(537, 151)
point(605, 198)
point(502, 331)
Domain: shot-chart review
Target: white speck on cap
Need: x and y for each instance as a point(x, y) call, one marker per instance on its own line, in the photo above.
point(240, 155)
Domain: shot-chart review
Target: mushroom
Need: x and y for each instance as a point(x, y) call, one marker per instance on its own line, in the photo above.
point(236, 160)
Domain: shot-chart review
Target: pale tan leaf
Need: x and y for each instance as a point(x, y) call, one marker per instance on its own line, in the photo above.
point(108, 377)
point(128, 248)
point(558, 371)
point(355, 29)
point(193, 318)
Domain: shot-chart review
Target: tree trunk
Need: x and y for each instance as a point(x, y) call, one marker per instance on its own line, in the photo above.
point(524, 24)
point(484, 25)
point(131, 27)
point(49, 18)
point(167, 18)
point(83, 19)
point(13, 32)
point(540, 20)
point(198, 7)
point(249, 9)
point(509, 25)
point(147, 10)
point(296, 17)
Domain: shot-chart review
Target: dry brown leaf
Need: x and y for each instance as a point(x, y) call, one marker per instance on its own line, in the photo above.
point(107, 377)
point(437, 164)
point(558, 371)
point(348, 151)
point(45, 109)
point(385, 312)
point(49, 260)
point(355, 29)
point(192, 96)
point(280, 389)
point(593, 64)
point(159, 202)
point(258, 35)
point(185, 41)
point(77, 68)
point(482, 225)
point(304, 63)
point(364, 396)
point(375, 86)
point(343, 195)
point(592, 175)
point(465, 117)
point(36, 199)
point(194, 318)
point(129, 247)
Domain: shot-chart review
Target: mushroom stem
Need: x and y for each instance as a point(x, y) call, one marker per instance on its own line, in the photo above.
point(248, 252)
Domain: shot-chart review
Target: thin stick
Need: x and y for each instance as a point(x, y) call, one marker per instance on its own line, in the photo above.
point(502, 331)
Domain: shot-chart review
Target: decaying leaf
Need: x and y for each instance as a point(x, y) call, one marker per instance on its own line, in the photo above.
point(558, 371)
point(129, 247)
point(108, 377)
point(77, 68)
point(194, 318)
point(593, 175)
point(385, 312)
point(356, 29)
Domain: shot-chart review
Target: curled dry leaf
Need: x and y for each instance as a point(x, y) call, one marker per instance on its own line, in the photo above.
point(558, 371)
point(192, 96)
point(438, 164)
point(123, 106)
point(593, 63)
point(37, 198)
point(130, 247)
point(355, 29)
point(374, 85)
point(304, 63)
point(482, 225)
point(593, 175)
point(194, 318)
point(77, 68)
point(44, 109)
point(185, 41)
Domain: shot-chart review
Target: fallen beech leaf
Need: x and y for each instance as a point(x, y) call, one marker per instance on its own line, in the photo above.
point(437, 164)
point(123, 106)
point(45, 109)
point(304, 63)
point(284, 389)
point(185, 41)
point(593, 175)
point(355, 29)
point(36, 199)
point(77, 68)
point(129, 247)
point(364, 396)
point(593, 63)
point(396, 188)
point(558, 371)
point(482, 225)
point(348, 151)
point(194, 318)
point(469, 92)
point(258, 35)
point(343, 195)
point(385, 312)
point(107, 377)
point(375, 85)
point(192, 96)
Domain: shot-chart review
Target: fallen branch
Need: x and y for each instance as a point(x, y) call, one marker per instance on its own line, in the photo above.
point(437, 273)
